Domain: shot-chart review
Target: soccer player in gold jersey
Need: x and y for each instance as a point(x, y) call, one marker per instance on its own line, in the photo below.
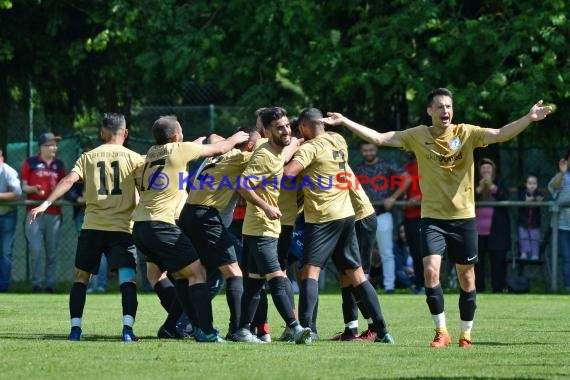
point(110, 197)
point(329, 220)
point(445, 158)
point(155, 232)
point(201, 220)
point(261, 183)
point(365, 225)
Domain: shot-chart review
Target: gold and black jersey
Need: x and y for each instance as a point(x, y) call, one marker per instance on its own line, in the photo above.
point(446, 168)
point(163, 181)
point(324, 160)
point(217, 182)
point(108, 174)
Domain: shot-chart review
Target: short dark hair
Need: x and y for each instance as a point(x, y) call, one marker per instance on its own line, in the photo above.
point(438, 92)
point(114, 122)
point(271, 114)
point(249, 129)
point(259, 111)
point(310, 114)
point(163, 129)
point(294, 123)
point(364, 142)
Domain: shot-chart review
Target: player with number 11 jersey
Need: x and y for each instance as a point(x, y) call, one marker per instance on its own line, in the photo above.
point(110, 169)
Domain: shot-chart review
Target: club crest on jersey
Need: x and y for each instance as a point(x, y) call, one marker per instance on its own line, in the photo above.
point(455, 143)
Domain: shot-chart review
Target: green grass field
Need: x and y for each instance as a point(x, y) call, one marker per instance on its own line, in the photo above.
point(515, 336)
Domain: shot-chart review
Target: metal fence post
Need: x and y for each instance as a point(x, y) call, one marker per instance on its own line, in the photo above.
point(554, 211)
point(31, 120)
point(212, 118)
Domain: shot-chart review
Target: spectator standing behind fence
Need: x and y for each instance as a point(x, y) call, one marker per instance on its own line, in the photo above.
point(10, 190)
point(559, 187)
point(382, 195)
point(40, 175)
point(529, 220)
point(405, 274)
point(493, 228)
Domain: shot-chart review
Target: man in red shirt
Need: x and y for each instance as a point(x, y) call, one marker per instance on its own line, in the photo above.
point(40, 175)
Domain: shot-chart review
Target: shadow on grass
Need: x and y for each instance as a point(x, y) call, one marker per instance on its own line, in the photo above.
point(508, 343)
point(432, 377)
point(85, 338)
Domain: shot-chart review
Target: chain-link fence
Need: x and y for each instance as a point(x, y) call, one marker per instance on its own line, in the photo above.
point(196, 121)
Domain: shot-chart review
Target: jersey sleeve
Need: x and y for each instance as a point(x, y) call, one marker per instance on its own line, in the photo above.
point(306, 154)
point(192, 150)
point(477, 135)
point(405, 138)
point(79, 167)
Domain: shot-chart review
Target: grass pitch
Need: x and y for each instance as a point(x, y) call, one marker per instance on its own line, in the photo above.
point(515, 336)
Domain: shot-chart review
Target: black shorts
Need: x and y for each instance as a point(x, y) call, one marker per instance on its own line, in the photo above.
point(261, 254)
point(117, 246)
point(165, 245)
point(213, 242)
point(366, 235)
point(284, 245)
point(336, 238)
point(456, 237)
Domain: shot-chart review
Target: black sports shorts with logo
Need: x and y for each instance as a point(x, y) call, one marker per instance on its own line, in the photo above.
point(457, 238)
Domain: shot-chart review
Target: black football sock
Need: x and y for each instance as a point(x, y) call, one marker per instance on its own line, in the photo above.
point(187, 305)
point(77, 296)
point(234, 293)
point(198, 294)
point(467, 305)
point(309, 293)
point(250, 301)
point(365, 313)
point(434, 299)
point(166, 293)
point(260, 316)
point(314, 319)
point(369, 298)
point(290, 295)
point(349, 308)
point(173, 314)
point(129, 298)
point(280, 299)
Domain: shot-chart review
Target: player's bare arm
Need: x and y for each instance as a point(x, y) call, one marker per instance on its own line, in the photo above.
point(537, 112)
point(62, 187)
point(224, 146)
point(290, 149)
point(201, 139)
point(365, 133)
point(247, 192)
point(292, 169)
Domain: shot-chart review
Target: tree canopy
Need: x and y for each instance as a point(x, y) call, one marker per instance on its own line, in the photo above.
point(373, 60)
